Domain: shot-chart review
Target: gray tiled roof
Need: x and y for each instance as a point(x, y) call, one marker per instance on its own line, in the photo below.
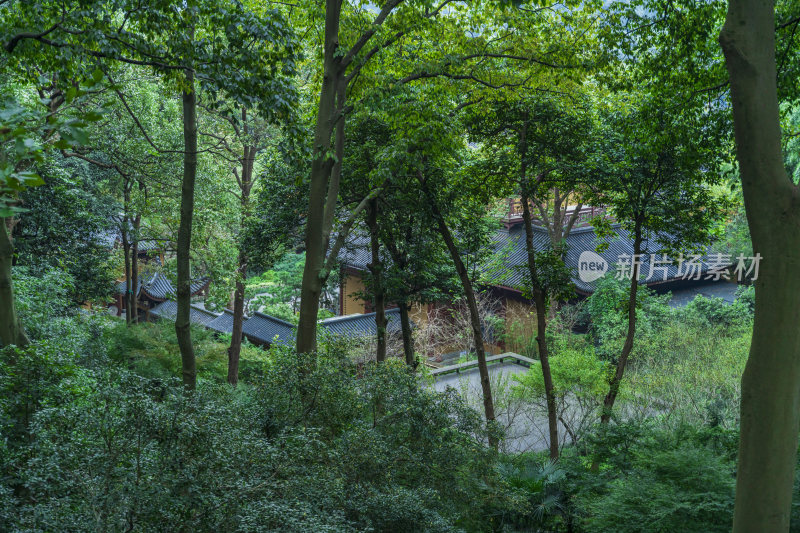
point(223, 323)
point(112, 236)
point(356, 252)
point(507, 268)
point(169, 310)
point(361, 325)
point(510, 246)
point(710, 289)
point(158, 286)
point(268, 329)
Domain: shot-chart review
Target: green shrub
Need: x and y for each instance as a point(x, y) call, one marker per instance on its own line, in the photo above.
point(43, 302)
point(535, 487)
point(606, 313)
point(686, 489)
point(688, 373)
point(657, 481)
point(717, 312)
point(316, 445)
point(580, 382)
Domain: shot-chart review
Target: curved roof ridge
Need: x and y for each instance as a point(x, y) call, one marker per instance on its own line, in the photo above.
point(356, 316)
point(273, 318)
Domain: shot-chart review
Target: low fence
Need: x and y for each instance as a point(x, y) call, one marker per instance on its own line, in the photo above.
point(494, 359)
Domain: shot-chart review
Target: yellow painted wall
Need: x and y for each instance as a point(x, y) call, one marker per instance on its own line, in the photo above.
point(351, 286)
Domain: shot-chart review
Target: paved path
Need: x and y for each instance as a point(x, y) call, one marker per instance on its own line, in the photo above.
point(525, 423)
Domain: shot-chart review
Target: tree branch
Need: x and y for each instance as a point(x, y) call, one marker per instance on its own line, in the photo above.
point(15, 40)
point(333, 255)
point(367, 35)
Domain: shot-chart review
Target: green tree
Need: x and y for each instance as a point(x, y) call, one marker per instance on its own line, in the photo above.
point(409, 263)
point(457, 205)
point(406, 43)
point(26, 132)
point(202, 45)
point(542, 148)
point(656, 188)
point(242, 138)
point(770, 418)
point(69, 226)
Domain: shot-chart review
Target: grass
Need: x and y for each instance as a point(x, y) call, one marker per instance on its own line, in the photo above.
point(691, 373)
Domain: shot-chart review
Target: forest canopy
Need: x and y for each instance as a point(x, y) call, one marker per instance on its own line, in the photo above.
point(421, 265)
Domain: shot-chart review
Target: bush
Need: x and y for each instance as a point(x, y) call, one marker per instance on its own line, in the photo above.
point(717, 312)
point(535, 486)
point(43, 302)
point(688, 373)
point(606, 312)
point(686, 489)
point(580, 382)
point(316, 445)
point(657, 481)
point(151, 350)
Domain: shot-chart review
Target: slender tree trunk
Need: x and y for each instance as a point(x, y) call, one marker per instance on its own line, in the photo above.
point(474, 317)
point(613, 389)
point(400, 260)
point(134, 294)
point(616, 380)
point(557, 235)
point(316, 240)
point(558, 218)
point(235, 349)
point(246, 185)
point(540, 300)
point(126, 254)
point(770, 406)
point(126, 246)
point(11, 331)
point(376, 268)
point(182, 324)
point(408, 339)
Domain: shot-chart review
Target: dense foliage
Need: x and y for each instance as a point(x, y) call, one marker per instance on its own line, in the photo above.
point(99, 434)
point(91, 445)
point(302, 158)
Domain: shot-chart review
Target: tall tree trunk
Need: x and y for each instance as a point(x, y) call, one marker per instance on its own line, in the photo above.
point(235, 349)
point(134, 294)
point(408, 339)
point(558, 217)
point(11, 331)
point(400, 260)
point(376, 268)
point(613, 389)
point(126, 246)
point(770, 406)
point(126, 259)
point(616, 380)
point(474, 316)
point(316, 237)
point(540, 300)
point(246, 185)
point(182, 324)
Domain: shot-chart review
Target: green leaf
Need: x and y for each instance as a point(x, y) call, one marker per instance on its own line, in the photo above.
point(30, 179)
point(92, 116)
